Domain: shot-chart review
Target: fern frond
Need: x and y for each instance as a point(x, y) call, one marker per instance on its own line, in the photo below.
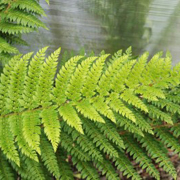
point(6, 47)
point(51, 125)
point(67, 112)
point(129, 97)
point(123, 164)
point(9, 148)
point(150, 93)
point(107, 169)
point(5, 81)
point(16, 127)
point(168, 139)
point(157, 152)
point(118, 106)
point(87, 170)
point(142, 122)
point(17, 83)
point(64, 167)
point(33, 170)
point(93, 77)
point(75, 150)
point(10, 28)
point(84, 142)
point(102, 107)
point(160, 115)
point(6, 171)
point(110, 131)
point(63, 78)
point(32, 79)
point(118, 81)
point(128, 125)
point(108, 75)
point(176, 130)
point(29, 5)
point(87, 110)
point(44, 89)
point(22, 18)
point(134, 77)
point(48, 157)
point(98, 139)
point(32, 130)
point(140, 156)
point(169, 106)
point(77, 80)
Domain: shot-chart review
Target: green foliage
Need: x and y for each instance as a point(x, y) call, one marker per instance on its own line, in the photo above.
point(17, 17)
point(92, 117)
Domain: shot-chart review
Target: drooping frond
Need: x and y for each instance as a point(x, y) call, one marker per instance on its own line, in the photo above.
point(123, 164)
point(73, 150)
point(80, 121)
point(6, 171)
point(84, 142)
point(140, 156)
point(87, 170)
point(98, 139)
point(107, 169)
point(109, 130)
point(49, 158)
point(157, 152)
point(18, 17)
point(65, 170)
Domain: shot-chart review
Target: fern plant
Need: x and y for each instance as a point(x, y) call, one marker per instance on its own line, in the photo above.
point(17, 17)
point(96, 116)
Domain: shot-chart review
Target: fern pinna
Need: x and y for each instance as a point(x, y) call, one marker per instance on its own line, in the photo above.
point(17, 17)
point(95, 117)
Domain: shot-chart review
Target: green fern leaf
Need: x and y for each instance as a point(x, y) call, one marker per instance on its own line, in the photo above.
point(6, 171)
point(135, 75)
point(157, 152)
point(118, 81)
point(123, 164)
point(156, 113)
point(32, 130)
point(108, 75)
point(49, 158)
point(6, 47)
point(9, 148)
point(140, 156)
point(118, 106)
point(101, 106)
point(75, 150)
point(87, 170)
point(129, 97)
point(51, 125)
point(63, 78)
point(106, 168)
point(84, 142)
point(168, 139)
point(16, 126)
point(98, 138)
point(176, 130)
point(93, 76)
point(10, 28)
point(29, 5)
point(22, 18)
point(128, 125)
point(77, 80)
point(65, 170)
point(110, 131)
point(69, 115)
point(44, 89)
point(32, 79)
point(87, 110)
